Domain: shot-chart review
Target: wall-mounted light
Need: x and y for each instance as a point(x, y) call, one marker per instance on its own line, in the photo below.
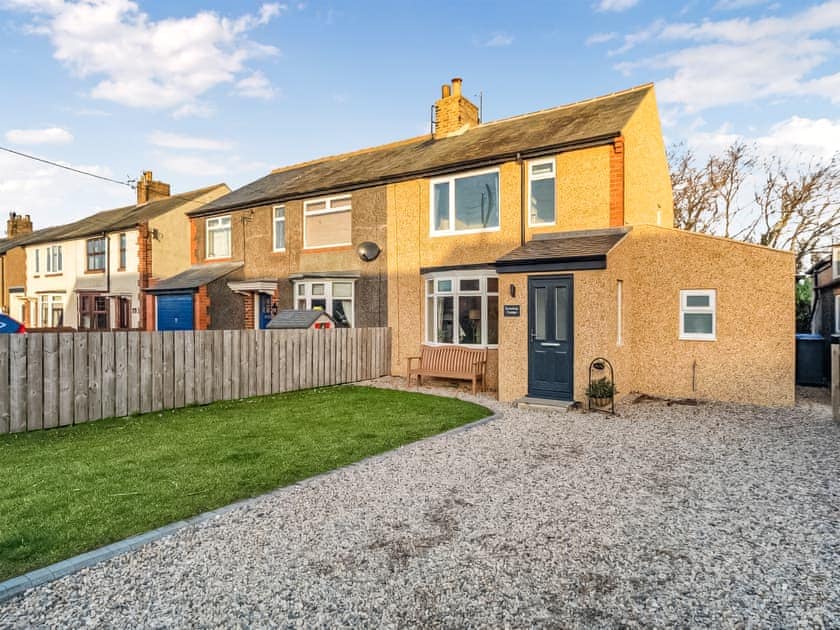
point(156, 234)
point(512, 290)
point(274, 309)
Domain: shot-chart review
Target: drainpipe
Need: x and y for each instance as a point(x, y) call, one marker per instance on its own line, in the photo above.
point(523, 198)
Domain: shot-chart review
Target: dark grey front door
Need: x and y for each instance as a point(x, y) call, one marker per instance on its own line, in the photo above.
point(550, 339)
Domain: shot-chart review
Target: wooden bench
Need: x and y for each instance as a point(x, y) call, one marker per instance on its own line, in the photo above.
point(455, 362)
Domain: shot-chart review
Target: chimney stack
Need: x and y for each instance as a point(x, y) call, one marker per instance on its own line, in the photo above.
point(18, 224)
point(453, 112)
point(149, 190)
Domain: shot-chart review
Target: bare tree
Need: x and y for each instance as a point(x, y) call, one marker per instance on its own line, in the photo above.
point(792, 207)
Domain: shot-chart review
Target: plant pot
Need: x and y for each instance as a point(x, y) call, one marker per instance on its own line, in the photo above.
point(601, 402)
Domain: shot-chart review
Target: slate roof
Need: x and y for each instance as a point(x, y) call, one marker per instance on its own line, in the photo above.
point(578, 246)
point(530, 135)
point(295, 319)
point(111, 220)
point(194, 277)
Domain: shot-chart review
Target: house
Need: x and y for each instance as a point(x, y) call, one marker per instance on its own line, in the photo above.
point(825, 317)
point(88, 274)
point(13, 264)
point(546, 238)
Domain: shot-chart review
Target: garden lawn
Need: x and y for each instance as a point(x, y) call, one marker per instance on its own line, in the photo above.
point(69, 490)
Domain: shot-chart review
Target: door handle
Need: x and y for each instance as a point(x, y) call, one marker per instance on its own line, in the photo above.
point(550, 343)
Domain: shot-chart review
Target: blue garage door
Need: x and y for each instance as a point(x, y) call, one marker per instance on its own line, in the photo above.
point(175, 311)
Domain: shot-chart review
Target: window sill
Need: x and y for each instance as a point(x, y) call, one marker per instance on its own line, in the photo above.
point(697, 338)
point(218, 259)
point(94, 271)
point(327, 248)
point(279, 251)
point(53, 275)
point(540, 225)
point(434, 234)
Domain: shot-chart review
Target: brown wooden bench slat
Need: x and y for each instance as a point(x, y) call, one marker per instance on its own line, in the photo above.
point(452, 362)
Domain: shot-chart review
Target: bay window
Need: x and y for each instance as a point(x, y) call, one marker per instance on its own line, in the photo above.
point(218, 237)
point(52, 311)
point(462, 309)
point(465, 203)
point(335, 297)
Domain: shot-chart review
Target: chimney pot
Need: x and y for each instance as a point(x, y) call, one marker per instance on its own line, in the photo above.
point(456, 86)
point(445, 91)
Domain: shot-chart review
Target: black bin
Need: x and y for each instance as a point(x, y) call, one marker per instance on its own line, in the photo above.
point(810, 360)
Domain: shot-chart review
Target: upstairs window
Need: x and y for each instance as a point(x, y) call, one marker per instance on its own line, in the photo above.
point(698, 315)
point(835, 257)
point(279, 229)
point(53, 259)
point(122, 251)
point(37, 261)
point(541, 206)
point(465, 203)
point(96, 254)
point(218, 237)
point(327, 222)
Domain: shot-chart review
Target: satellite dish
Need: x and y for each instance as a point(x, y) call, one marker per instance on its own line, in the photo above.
point(368, 251)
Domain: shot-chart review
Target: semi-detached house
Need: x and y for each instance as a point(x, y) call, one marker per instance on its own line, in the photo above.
point(89, 274)
point(546, 238)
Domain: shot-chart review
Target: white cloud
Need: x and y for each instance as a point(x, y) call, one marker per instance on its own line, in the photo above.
point(600, 38)
point(50, 135)
point(798, 136)
point(54, 196)
point(169, 140)
point(741, 60)
point(615, 5)
point(735, 5)
point(193, 110)
point(140, 62)
point(255, 86)
point(498, 40)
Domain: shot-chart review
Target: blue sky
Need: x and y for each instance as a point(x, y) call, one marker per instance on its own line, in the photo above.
point(202, 92)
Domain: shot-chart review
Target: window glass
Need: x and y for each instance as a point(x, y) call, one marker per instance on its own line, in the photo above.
point(698, 323)
point(542, 201)
point(96, 254)
point(469, 318)
point(441, 206)
point(430, 318)
point(122, 251)
point(697, 300)
point(492, 319)
point(477, 202)
point(444, 285)
point(492, 285)
point(37, 261)
point(301, 289)
point(318, 289)
point(543, 168)
point(342, 310)
point(445, 319)
point(218, 237)
point(319, 304)
point(561, 314)
point(539, 312)
point(279, 228)
point(470, 285)
point(327, 222)
point(342, 289)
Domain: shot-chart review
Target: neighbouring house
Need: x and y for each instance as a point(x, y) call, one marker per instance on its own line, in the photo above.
point(546, 238)
point(825, 318)
point(13, 265)
point(89, 274)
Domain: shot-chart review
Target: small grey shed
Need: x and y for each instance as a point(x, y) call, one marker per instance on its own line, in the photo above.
point(293, 319)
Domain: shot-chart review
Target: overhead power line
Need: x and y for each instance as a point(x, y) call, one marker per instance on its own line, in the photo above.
point(66, 168)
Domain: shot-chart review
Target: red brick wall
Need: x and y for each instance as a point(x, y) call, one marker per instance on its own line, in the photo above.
point(617, 182)
point(144, 275)
point(202, 309)
point(250, 307)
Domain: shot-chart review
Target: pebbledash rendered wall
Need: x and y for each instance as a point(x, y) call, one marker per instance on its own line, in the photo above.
point(751, 360)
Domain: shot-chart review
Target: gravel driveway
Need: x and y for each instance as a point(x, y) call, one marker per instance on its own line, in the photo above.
point(716, 515)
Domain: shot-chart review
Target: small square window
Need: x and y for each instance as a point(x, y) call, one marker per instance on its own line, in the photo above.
point(698, 315)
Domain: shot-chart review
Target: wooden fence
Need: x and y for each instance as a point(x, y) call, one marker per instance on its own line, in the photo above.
point(59, 379)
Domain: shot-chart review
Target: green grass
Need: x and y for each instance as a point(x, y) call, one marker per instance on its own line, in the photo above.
point(69, 490)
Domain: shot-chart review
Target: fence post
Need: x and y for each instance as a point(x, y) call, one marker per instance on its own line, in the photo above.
point(835, 377)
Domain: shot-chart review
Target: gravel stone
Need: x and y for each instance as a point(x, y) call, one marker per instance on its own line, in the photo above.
point(667, 515)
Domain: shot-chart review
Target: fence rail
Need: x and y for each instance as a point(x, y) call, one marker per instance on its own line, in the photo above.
point(59, 379)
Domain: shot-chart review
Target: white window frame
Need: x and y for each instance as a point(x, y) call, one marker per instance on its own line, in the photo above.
point(837, 314)
point(37, 261)
point(329, 209)
point(327, 296)
point(53, 256)
point(450, 179)
point(208, 228)
point(50, 300)
point(536, 178)
point(455, 277)
point(275, 219)
point(619, 324)
point(712, 309)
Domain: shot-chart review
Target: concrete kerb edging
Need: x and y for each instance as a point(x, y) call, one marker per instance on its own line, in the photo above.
point(39, 577)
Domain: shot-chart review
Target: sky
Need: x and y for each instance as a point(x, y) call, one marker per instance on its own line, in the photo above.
point(207, 92)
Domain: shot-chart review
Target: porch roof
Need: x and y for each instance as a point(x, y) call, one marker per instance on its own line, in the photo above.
point(563, 251)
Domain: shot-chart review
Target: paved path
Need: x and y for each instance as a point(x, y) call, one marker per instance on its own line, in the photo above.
point(693, 516)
